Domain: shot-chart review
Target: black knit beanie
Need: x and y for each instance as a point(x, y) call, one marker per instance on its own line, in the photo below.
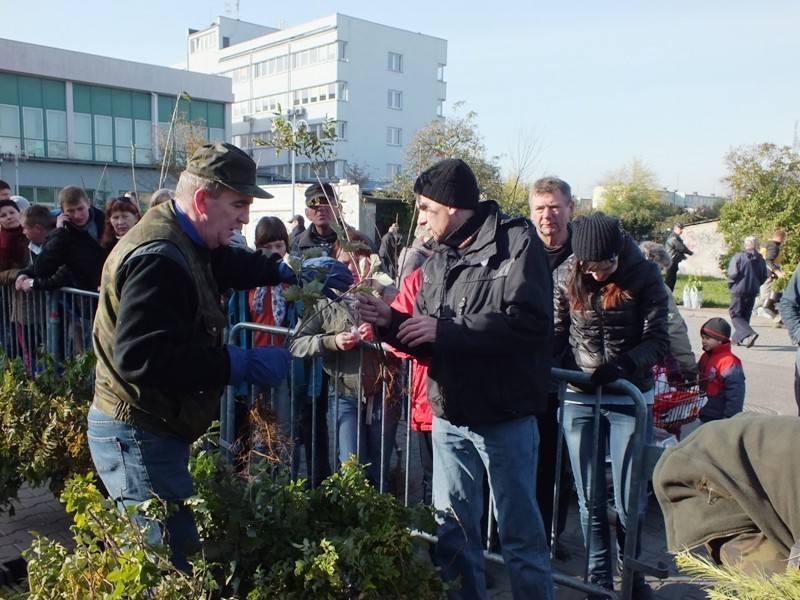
point(717, 328)
point(596, 237)
point(450, 182)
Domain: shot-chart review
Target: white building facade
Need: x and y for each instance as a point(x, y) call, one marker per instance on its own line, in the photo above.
point(74, 118)
point(378, 83)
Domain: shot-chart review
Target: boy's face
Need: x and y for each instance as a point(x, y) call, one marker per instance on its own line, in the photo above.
point(78, 214)
point(709, 343)
point(34, 233)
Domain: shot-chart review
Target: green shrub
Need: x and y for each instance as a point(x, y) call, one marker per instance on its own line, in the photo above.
point(263, 537)
point(43, 424)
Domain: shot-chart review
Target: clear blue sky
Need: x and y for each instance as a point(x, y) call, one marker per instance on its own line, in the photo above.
point(675, 83)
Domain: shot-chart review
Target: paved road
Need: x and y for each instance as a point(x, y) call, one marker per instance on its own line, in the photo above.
point(769, 370)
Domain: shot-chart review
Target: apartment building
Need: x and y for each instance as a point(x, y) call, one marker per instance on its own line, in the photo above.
point(378, 83)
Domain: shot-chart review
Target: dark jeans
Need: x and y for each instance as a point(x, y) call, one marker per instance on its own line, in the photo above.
point(672, 275)
point(314, 432)
point(741, 309)
point(546, 470)
point(425, 441)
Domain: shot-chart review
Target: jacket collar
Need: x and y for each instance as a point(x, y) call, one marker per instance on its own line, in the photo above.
point(484, 246)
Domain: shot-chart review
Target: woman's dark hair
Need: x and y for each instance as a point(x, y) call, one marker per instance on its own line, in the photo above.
point(109, 238)
point(580, 285)
point(271, 229)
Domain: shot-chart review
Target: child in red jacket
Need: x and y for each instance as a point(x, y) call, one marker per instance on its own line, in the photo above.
point(721, 373)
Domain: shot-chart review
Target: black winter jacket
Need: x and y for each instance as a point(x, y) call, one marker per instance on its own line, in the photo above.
point(634, 333)
point(74, 248)
point(493, 301)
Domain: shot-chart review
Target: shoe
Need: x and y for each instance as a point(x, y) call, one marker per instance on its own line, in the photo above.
point(749, 341)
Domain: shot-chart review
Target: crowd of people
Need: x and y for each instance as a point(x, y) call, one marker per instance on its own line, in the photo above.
point(483, 305)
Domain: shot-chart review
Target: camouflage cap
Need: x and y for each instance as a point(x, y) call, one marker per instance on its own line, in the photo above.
point(228, 165)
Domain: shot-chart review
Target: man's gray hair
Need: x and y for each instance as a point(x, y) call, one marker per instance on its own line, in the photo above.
point(655, 252)
point(189, 182)
point(750, 241)
point(549, 185)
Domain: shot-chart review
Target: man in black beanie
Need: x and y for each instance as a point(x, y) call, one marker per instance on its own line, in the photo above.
point(484, 316)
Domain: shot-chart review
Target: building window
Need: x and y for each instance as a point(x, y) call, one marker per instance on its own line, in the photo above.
point(392, 172)
point(440, 73)
point(33, 128)
point(341, 130)
point(342, 47)
point(440, 108)
point(57, 133)
point(9, 128)
point(395, 62)
point(103, 138)
point(202, 42)
point(83, 136)
point(143, 132)
point(123, 139)
point(395, 99)
point(394, 136)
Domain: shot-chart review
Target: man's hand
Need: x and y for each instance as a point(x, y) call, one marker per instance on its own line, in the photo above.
point(418, 330)
point(23, 283)
point(373, 310)
point(62, 220)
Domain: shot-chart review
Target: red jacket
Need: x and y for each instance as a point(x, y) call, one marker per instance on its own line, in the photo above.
point(421, 415)
point(722, 379)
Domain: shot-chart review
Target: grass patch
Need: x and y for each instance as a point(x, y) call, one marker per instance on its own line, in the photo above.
point(715, 291)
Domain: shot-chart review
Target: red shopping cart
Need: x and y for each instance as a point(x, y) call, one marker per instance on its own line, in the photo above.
point(676, 405)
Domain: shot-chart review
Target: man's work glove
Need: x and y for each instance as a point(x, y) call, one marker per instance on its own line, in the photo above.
point(265, 365)
point(611, 371)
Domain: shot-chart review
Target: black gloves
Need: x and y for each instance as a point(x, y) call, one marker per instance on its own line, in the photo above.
point(611, 371)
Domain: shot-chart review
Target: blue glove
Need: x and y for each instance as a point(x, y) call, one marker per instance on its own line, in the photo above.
point(265, 365)
point(334, 275)
point(286, 273)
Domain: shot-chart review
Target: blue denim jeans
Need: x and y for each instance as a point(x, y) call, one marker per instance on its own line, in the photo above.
point(135, 465)
point(508, 453)
point(617, 425)
point(373, 443)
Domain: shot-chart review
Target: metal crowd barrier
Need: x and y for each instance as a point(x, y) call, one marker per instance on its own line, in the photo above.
point(59, 323)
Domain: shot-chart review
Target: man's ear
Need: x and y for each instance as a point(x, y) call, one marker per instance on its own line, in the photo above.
point(200, 199)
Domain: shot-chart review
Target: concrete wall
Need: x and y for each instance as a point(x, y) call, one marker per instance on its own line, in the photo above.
point(708, 245)
point(356, 212)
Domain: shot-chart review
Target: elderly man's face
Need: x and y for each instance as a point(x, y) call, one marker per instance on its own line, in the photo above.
point(320, 215)
point(550, 213)
point(222, 216)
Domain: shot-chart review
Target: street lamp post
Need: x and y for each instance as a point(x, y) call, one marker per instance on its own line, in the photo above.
point(295, 122)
